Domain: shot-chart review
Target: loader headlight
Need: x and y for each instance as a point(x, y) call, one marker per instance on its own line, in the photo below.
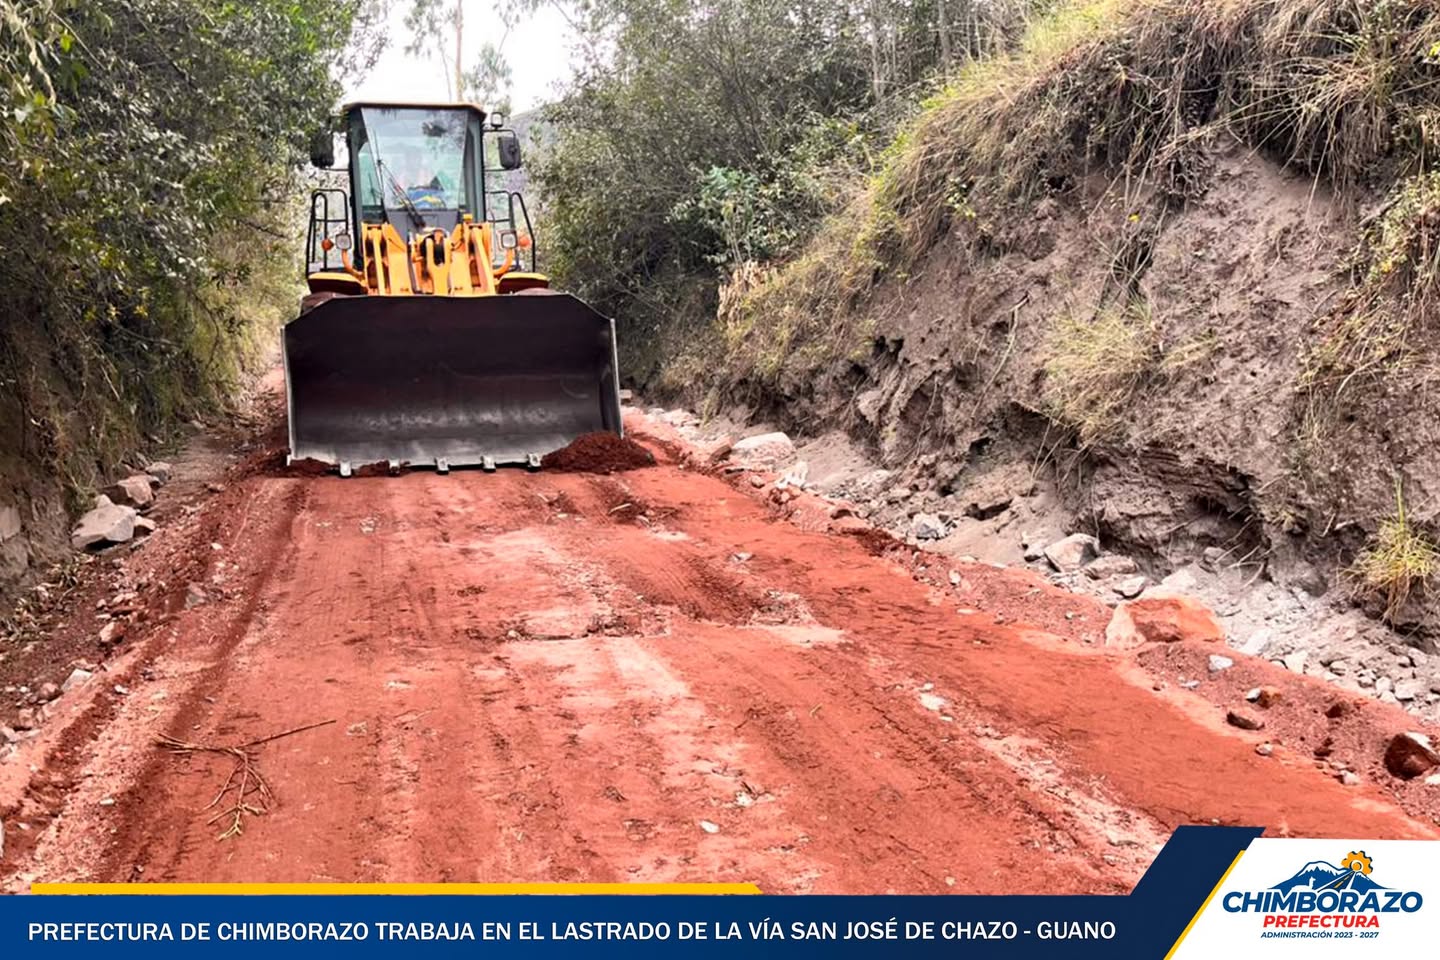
point(508, 240)
point(342, 241)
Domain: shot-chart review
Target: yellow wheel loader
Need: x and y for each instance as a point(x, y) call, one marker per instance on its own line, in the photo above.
point(428, 339)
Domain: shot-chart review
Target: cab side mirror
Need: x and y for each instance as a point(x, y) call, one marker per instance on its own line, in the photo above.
point(508, 146)
point(322, 150)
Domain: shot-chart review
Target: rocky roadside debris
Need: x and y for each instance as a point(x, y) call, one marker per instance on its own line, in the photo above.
point(119, 602)
point(117, 516)
point(1003, 516)
point(115, 614)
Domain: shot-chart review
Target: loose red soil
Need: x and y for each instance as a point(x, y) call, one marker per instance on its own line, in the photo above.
point(599, 453)
point(531, 686)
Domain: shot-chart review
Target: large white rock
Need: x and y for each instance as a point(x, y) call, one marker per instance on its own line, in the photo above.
point(108, 523)
point(766, 451)
point(1073, 552)
point(135, 491)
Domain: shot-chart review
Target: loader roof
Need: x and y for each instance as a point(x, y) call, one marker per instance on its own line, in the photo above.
point(412, 104)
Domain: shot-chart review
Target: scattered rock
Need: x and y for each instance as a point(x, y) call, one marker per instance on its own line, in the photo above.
point(77, 678)
point(144, 526)
point(1295, 662)
point(1410, 755)
point(8, 735)
point(216, 487)
point(757, 481)
point(160, 471)
point(796, 477)
point(134, 491)
point(1265, 749)
point(1073, 552)
point(766, 451)
point(1163, 619)
point(112, 632)
point(927, 526)
point(1243, 720)
point(709, 827)
point(988, 508)
point(1131, 587)
point(1349, 778)
point(27, 718)
point(1219, 663)
point(108, 523)
point(1256, 643)
point(48, 691)
point(1266, 697)
point(1113, 565)
point(714, 451)
point(1409, 689)
point(195, 595)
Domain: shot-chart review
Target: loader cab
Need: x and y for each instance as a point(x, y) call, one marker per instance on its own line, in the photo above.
point(417, 168)
point(420, 168)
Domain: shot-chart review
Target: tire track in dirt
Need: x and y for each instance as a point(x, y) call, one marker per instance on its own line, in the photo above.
point(131, 783)
point(531, 684)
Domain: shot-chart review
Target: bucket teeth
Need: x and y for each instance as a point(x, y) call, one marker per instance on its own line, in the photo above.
point(532, 461)
point(488, 464)
point(345, 469)
point(442, 465)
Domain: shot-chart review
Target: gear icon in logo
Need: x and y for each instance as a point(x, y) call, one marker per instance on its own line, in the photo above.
point(1359, 862)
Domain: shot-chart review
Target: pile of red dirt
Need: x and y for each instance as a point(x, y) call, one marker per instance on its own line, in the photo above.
point(599, 453)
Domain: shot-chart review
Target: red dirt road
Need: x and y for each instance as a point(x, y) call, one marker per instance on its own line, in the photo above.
point(649, 676)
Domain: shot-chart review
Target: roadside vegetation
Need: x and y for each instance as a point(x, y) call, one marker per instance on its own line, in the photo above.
point(1398, 563)
point(709, 138)
point(793, 174)
point(149, 151)
point(1096, 364)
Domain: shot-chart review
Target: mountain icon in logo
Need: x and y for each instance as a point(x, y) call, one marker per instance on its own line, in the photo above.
point(1319, 875)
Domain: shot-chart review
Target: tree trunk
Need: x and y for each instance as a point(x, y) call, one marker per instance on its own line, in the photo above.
point(943, 25)
point(459, 47)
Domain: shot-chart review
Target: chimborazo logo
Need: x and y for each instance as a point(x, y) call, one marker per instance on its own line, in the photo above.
point(1324, 895)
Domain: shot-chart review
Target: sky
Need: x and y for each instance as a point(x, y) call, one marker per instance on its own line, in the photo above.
point(538, 51)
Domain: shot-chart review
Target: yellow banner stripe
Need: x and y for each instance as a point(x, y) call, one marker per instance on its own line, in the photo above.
point(1214, 890)
point(388, 889)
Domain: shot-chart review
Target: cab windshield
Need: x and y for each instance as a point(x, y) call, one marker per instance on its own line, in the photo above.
point(415, 165)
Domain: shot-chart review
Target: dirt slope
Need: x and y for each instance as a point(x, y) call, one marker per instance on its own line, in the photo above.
point(651, 677)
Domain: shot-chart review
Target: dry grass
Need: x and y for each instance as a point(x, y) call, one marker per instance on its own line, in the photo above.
point(1382, 327)
point(1399, 562)
point(1344, 90)
point(1095, 366)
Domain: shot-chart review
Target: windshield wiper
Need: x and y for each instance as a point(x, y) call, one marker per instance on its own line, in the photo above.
point(399, 189)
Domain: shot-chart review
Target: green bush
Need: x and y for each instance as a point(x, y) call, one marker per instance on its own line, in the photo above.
point(148, 157)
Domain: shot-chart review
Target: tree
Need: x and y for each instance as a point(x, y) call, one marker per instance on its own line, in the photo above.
point(154, 144)
point(698, 137)
point(438, 27)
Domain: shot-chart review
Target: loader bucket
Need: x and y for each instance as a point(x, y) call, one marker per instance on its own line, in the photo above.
point(447, 381)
